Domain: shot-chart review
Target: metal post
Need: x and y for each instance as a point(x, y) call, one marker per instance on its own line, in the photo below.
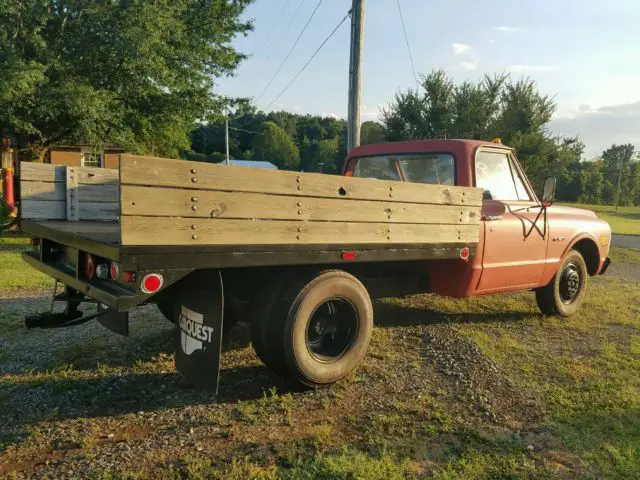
point(7, 165)
point(226, 138)
point(619, 180)
point(355, 73)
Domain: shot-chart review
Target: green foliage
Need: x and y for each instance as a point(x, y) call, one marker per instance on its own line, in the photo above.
point(372, 132)
point(135, 74)
point(276, 146)
point(320, 140)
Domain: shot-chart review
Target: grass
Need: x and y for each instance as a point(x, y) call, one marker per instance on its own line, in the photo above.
point(626, 221)
point(16, 274)
point(545, 398)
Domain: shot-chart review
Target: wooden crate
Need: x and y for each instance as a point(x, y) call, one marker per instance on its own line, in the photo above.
point(59, 192)
point(175, 202)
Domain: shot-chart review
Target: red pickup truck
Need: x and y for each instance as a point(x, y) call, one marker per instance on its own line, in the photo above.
point(301, 255)
point(526, 244)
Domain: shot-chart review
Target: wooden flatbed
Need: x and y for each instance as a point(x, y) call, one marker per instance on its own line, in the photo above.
point(162, 213)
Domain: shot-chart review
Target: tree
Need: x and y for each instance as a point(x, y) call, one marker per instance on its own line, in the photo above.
point(371, 132)
point(493, 107)
point(277, 147)
point(617, 166)
point(135, 74)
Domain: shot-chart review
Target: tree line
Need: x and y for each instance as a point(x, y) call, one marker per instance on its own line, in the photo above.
point(496, 106)
point(141, 76)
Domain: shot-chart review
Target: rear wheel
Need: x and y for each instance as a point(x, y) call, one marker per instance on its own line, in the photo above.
point(564, 294)
point(326, 328)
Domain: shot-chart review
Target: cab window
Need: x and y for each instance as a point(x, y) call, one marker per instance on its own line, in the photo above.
point(498, 177)
point(382, 168)
point(432, 168)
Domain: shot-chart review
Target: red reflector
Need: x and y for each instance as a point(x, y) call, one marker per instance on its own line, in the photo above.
point(349, 255)
point(129, 277)
point(89, 267)
point(114, 270)
point(465, 253)
point(151, 283)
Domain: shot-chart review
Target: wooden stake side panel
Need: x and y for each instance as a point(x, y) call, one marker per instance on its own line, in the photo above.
point(151, 171)
point(42, 172)
point(83, 193)
point(170, 202)
point(42, 209)
point(150, 231)
point(43, 191)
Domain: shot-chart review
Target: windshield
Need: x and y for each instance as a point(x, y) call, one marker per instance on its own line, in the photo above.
point(433, 168)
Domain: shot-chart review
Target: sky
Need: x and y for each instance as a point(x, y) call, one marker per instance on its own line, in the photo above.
point(584, 53)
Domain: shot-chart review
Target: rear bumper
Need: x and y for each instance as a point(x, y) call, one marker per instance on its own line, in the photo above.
point(605, 266)
point(105, 292)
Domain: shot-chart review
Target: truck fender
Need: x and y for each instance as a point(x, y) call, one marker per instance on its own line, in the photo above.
point(587, 245)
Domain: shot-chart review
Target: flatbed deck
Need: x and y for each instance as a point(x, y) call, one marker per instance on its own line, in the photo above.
point(102, 239)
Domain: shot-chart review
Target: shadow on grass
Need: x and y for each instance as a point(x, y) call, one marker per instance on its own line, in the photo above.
point(392, 315)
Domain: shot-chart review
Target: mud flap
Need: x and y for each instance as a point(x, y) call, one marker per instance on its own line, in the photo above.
point(117, 322)
point(199, 336)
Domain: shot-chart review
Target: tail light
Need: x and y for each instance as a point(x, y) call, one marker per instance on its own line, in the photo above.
point(114, 270)
point(89, 266)
point(102, 271)
point(151, 283)
point(465, 253)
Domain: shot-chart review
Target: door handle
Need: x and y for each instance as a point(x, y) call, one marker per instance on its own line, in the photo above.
point(492, 218)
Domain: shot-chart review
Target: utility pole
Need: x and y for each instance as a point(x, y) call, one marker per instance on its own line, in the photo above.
point(619, 180)
point(355, 74)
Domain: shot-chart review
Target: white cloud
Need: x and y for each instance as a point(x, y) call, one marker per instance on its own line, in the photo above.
point(330, 114)
point(505, 29)
point(469, 65)
point(600, 127)
point(460, 48)
point(532, 68)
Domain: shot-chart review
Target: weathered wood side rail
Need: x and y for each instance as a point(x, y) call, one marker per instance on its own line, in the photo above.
point(175, 202)
point(60, 192)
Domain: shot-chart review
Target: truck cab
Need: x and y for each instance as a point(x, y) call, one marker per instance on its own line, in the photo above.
point(525, 244)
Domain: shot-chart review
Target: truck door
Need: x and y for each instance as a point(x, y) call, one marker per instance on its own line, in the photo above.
point(515, 237)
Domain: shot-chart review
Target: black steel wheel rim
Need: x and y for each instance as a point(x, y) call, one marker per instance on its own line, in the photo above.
point(332, 330)
point(570, 283)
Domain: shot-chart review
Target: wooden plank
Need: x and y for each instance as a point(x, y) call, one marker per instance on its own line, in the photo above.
point(169, 202)
point(185, 231)
point(151, 171)
point(99, 193)
point(47, 191)
point(99, 231)
point(98, 211)
point(40, 209)
point(42, 172)
point(72, 194)
point(97, 176)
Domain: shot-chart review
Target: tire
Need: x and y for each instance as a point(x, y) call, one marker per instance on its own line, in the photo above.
point(170, 309)
point(564, 294)
point(326, 328)
point(261, 314)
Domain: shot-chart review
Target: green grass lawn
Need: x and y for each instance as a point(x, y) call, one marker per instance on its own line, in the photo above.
point(550, 397)
point(15, 274)
point(626, 221)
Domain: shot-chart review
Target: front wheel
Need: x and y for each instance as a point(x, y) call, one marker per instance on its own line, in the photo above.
point(564, 294)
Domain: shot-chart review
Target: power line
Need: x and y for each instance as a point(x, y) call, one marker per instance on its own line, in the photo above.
point(308, 61)
point(273, 28)
point(290, 51)
point(285, 30)
point(406, 40)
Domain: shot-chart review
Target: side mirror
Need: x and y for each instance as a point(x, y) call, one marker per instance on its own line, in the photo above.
point(549, 191)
